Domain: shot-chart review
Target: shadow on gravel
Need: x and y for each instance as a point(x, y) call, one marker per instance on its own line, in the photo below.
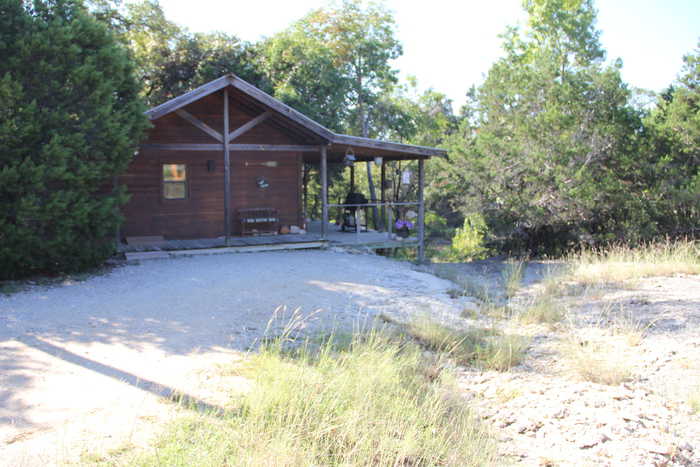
point(121, 376)
point(184, 307)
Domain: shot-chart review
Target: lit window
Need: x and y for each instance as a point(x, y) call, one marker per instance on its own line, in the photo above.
point(174, 181)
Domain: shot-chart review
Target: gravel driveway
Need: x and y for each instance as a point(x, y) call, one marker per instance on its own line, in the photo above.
point(85, 365)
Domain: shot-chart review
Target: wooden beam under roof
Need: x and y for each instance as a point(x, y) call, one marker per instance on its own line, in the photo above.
point(200, 124)
point(281, 108)
point(184, 147)
point(273, 147)
point(232, 147)
point(248, 126)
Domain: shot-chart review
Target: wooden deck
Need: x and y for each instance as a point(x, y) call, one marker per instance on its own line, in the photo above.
point(206, 243)
point(311, 239)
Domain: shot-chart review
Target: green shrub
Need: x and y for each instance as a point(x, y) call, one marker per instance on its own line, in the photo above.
point(468, 242)
point(69, 122)
point(436, 225)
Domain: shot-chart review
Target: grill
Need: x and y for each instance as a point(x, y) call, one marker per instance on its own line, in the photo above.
point(349, 212)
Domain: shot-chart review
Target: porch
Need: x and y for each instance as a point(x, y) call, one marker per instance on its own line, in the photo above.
point(156, 247)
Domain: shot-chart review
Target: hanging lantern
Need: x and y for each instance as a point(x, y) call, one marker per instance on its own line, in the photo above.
point(350, 158)
point(378, 160)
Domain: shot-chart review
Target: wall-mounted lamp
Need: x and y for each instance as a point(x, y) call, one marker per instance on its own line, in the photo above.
point(211, 166)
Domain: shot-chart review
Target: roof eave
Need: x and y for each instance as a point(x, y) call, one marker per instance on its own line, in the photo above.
point(389, 146)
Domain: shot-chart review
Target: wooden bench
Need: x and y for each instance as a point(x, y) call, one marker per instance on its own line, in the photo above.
point(259, 220)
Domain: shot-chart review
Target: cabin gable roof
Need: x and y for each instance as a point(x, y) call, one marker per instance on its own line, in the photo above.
point(331, 138)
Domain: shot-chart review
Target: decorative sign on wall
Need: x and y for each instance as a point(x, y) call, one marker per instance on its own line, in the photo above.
point(260, 164)
point(262, 182)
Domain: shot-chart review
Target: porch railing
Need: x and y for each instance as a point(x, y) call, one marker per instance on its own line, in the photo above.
point(388, 213)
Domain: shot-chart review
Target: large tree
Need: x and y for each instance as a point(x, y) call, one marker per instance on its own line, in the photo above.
point(336, 64)
point(344, 51)
point(170, 60)
point(547, 147)
point(70, 120)
point(673, 134)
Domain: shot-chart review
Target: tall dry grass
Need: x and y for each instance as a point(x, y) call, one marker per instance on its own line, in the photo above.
point(484, 348)
point(366, 401)
point(512, 276)
point(621, 262)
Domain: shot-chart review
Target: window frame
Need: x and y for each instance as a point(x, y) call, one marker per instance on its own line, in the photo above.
point(164, 182)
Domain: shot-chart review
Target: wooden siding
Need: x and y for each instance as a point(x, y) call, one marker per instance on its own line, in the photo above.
point(201, 215)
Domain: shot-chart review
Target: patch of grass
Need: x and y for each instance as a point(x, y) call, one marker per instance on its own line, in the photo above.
point(492, 310)
point(598, 363)
point(694, 400)
point(111, 457)
point(620, 263)
point(624, 323)
point(470, 288)
point(469, 313)
point(599, 349)
point(512, 276)
point(371, 403)
point(562, 286)
point(597, 358)
point(466, 286)
point(480, 347)
point(544, 310)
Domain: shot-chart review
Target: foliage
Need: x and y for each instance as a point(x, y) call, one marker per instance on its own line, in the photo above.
point(69, 122)
point(169, 59)
point(436, 225)
point(468, 242)
point(543, 310)
point(304, 75)
point(673, 137)
point(367, 400)
point(334, 64)
point(547, 147)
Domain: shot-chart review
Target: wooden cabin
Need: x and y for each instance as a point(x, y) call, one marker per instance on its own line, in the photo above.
point(227, 151)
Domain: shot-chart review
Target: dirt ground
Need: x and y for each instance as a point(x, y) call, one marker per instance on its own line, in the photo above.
point(92, 366)
point(545, 412)
point(89, 366)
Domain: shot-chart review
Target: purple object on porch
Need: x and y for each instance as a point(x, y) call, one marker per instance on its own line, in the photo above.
point(400, 224)
point(403, 228)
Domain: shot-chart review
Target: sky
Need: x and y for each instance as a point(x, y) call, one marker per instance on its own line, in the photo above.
point(449, 45)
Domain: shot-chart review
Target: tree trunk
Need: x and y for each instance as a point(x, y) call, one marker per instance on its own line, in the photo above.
point(370, 181)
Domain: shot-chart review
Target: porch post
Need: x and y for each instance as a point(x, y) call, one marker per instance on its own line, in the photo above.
point(421, 211)
point(324, 192)
point(383, 195)
point(227, 174)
